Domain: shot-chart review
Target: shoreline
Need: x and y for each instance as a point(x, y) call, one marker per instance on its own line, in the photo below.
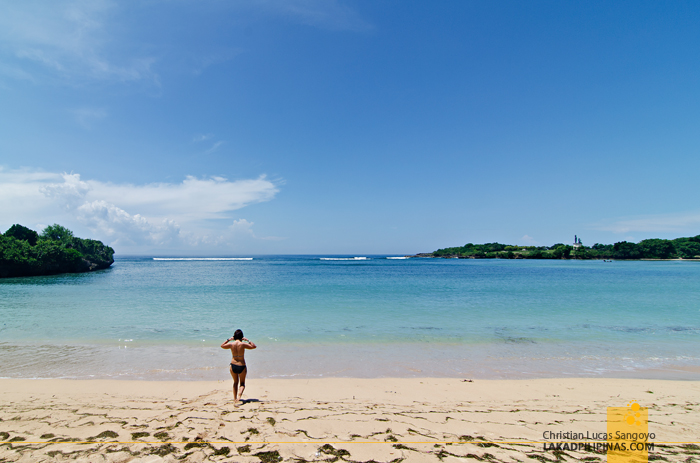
point(680, 373)
point(203, 365)
point(380, 419)
point(521, 358)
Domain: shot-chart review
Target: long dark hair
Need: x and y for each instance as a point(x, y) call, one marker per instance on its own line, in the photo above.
point(238, 335)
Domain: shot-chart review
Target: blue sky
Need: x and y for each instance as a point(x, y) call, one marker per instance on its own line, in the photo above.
point(347, 127)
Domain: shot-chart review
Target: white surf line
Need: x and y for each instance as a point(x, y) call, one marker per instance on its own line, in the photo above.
point(202, 258)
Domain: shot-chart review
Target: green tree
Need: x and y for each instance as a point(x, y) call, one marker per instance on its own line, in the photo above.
point(23, 233)
point(625, 250)
point(57, 232)
point(656, 248)
point(562, 251)
point(580, 252)
point(57, 251)
point(687, 248)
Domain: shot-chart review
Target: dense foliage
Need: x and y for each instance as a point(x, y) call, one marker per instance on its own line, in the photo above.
point(24, 252)
point(680, 248)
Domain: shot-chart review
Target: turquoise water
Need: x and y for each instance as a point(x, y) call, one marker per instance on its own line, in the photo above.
point(376, 317)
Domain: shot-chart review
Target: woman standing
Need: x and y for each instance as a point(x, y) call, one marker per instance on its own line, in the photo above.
point(238, 344)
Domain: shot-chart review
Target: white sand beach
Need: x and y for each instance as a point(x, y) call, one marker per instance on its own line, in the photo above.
point(334, 419)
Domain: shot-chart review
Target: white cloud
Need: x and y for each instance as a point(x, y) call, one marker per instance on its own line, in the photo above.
point(214, 147)
point(212, 59)
point(69, 194)
point(244, 227)
point(686, 222)
point(86, 116)
point(205, 137)
point(64, 39)
point(124, 228)
point(192, 200)
point(202, 137)
point(82, 40)
point(186, 214)
point(527, 239)
point(327, 14)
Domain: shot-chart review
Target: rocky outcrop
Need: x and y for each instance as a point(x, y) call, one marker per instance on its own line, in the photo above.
point(23, 254)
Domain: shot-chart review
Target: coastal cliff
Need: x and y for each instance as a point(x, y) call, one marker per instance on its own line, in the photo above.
point(24, 252)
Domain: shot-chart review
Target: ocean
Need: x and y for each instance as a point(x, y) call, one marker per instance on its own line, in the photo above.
point(316, 316)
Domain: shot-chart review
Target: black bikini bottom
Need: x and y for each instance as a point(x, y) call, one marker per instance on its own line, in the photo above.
point(238, 369)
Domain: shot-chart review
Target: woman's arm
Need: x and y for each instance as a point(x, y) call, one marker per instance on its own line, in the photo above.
point(226, 344)
point(250, 345)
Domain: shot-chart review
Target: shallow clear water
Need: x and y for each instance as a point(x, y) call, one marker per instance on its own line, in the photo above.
point(375, 317)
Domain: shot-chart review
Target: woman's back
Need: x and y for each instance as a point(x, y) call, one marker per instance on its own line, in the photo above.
point(237, 352)
point(238, 344)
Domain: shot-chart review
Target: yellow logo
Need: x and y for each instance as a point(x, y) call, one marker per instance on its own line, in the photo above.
point(629, 439)
point(633, 417)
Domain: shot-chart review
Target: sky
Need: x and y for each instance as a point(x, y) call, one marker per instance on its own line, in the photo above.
point(222, 127)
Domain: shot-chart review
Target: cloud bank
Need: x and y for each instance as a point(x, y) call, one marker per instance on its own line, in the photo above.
point(196, 213)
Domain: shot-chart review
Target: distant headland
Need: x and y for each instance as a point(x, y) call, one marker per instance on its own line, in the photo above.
point(24, 252)
point(657, 249)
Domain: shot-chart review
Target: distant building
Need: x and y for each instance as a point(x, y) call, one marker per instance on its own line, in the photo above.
point(577, 242)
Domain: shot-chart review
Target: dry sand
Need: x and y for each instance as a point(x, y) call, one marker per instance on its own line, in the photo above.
point(334, 419)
